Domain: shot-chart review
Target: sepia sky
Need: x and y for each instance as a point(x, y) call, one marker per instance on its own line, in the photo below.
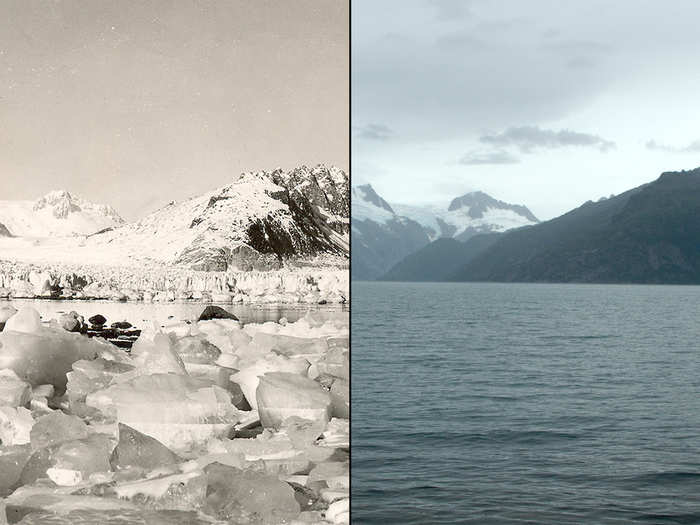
point(137, 103)
point(543, 103)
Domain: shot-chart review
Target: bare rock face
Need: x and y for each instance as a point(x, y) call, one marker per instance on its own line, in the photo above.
point(216, 312)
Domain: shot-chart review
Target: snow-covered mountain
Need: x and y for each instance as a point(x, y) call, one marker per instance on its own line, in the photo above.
point(258, 221)
point(255, 222)
point(380, 237)
point(383, 234)
point(468, 215)
point(56, 214)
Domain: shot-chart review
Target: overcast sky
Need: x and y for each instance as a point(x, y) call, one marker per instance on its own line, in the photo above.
point(542, 103)
point(135, 103)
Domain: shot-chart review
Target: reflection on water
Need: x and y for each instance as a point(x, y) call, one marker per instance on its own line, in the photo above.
point(139, 313)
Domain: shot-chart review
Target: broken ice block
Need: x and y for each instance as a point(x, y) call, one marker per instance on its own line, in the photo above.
point(89, 376)
point(335, 363)
point(340, 397)
point(291, 346)
point(46, 356)
point(135, 449)
point(15, 425)
point(337, 434)
point(156, 356)
point(179, 411)
point(26, 320)
point(12, 461)
point(339, 511)
point(13, 391)
point(70, 462)
point(241, 496)
point(196, 349)
point(6, 312)
point(281, 395)
point(183, 491)
point(55, 428)
point(249, 377)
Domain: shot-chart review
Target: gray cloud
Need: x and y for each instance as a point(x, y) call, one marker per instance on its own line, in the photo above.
point(447, 10)
point(580, 63)
point(529, 138)
point(498, 156)
point(693, 147)
point(374, 132)
point(459, 41)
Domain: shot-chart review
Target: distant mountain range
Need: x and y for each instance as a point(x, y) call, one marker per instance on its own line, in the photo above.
point(258, 221)
point(383, 234)
point(56, 214)
point(649, 234)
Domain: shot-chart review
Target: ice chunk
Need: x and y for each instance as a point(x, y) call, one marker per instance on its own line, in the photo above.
point(26, 499)
point(46, 356)
point(12, 461)
point(278, 454)
point(335, 363)
point(248, 378)
point(90, 376)
point(157, 356)
point(183, 491)
point(179, 411)
point(282, 394)
point(15, 425)
point(335, 474)
point(6, 312)
point(70, 462)
point(242, 496)
point(135, 449)
point(13, 391)
point(196, 349)
point(291, 346)
point(339, 511)
point(340, 397)
point(302, 432)
point(55, 428)
point(26, 320)
point(337, 434)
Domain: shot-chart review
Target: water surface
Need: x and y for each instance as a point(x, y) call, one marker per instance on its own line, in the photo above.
point(141, 313)
point(525, 403)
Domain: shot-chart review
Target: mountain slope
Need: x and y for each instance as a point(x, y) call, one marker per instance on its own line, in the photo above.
point(468, 215)
point(650, 234)
point(56, 214)
point(380, 238)
point(440, 259)
point(256, 222)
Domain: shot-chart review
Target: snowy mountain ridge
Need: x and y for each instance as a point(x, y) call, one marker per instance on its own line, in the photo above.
point(56, 214)
point(259, 221)
point(384, 233)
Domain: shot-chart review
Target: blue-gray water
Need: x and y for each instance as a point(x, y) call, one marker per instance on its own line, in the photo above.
point(525, 403)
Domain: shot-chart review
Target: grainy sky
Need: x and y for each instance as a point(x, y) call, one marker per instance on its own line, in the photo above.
point(136, 103)
point(543, 103)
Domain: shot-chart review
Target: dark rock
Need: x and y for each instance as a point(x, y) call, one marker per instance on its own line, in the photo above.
point(97, 320)
point(323, 301)
point(216, 312)
point(122, 325)
point(2, 326)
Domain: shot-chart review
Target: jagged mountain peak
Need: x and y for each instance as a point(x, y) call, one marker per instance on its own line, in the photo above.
point(478, 202)
point(256, 221)
point(368, 194)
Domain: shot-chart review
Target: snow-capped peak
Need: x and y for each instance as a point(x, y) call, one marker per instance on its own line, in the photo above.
point(57, 214)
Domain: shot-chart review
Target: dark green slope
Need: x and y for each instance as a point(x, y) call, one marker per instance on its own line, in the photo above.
point(440, 259)
point(650, 234)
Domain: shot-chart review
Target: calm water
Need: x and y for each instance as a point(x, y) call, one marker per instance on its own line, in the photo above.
point(517, 403)
point(140, 313)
